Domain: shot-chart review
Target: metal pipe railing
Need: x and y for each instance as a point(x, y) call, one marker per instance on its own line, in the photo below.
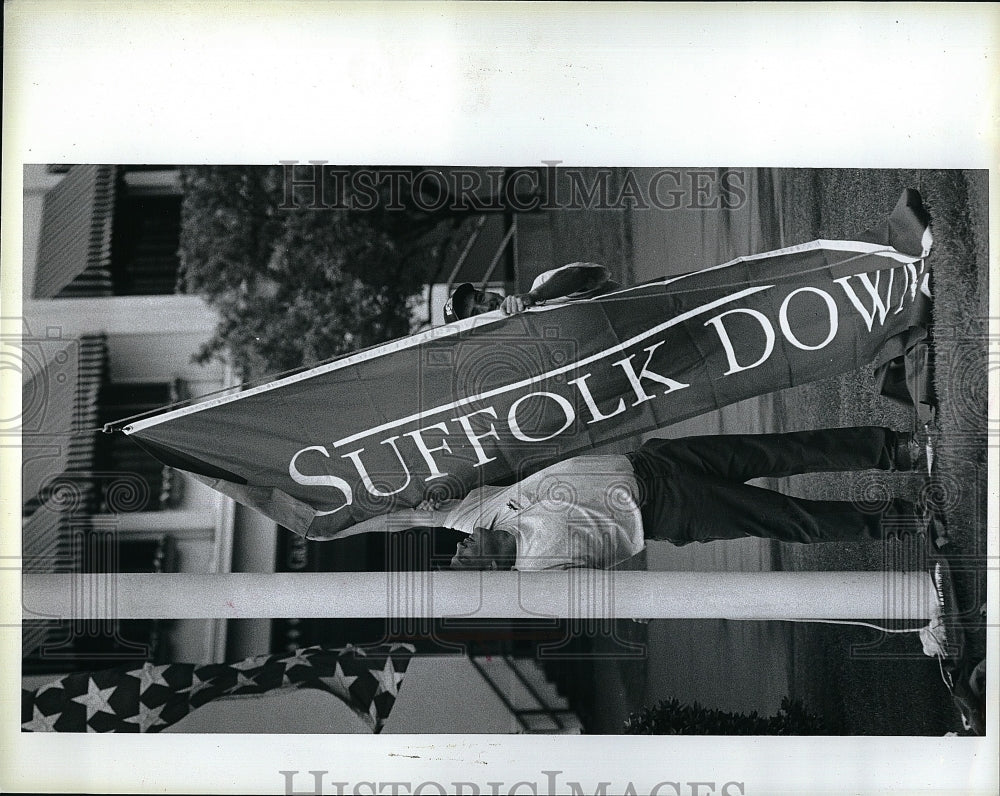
point(472, 595)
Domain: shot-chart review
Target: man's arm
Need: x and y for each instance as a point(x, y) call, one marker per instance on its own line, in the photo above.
point(429, 514)
point(572, 278)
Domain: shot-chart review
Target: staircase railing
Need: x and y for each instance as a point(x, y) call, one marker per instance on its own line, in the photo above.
point(553, 713)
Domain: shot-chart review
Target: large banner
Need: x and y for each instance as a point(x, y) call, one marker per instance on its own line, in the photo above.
point(492, 398)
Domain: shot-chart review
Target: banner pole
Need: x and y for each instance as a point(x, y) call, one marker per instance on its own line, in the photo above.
point(583, 593)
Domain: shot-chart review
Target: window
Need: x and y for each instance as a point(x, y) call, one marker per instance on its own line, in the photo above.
point(146, 232)
point(110, 231)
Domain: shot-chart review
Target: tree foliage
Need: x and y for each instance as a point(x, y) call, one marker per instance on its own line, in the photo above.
point(296, 286)
point(672, 717)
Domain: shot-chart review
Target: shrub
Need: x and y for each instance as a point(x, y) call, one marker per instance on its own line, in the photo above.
point(296, 286)
point(672, 717)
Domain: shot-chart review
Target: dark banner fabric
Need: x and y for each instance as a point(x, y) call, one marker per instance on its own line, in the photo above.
point(492, 398)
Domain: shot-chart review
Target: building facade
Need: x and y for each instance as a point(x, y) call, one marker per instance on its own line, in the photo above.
point(106, 336)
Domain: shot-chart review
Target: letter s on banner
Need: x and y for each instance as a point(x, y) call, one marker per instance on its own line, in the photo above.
point(320, 480)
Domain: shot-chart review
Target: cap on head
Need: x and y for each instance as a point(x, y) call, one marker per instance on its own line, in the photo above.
point(460, 304)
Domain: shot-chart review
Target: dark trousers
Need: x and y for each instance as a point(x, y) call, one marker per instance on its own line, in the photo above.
point(692, 489)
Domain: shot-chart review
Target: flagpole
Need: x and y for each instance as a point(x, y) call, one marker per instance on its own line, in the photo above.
point(583, 593)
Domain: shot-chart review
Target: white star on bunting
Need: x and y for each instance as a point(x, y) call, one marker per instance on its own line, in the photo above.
point(339, 683)
point(40, 722)
point(249, 663)
point(242, 680)
point(147, 717)
point(388, 679)
point(298, 659)
point(149, 675)
point(96, 699)
point(56, 684)
point(197, 684)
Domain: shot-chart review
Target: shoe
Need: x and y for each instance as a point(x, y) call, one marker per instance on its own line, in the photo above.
point(945, 639)
point(911, 454)
point(933, 525)
point(969, 694)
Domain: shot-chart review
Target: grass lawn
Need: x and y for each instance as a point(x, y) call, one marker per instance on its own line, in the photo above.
point(860, 679)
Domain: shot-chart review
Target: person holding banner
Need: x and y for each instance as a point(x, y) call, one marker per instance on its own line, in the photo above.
point(573, 281)
point(597, 511)
point(320, 451)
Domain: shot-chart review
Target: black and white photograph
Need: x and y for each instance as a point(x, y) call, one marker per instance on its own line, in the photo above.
point(346, 464)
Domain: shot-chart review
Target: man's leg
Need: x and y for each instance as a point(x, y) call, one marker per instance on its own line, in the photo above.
point(685, 509)
point(741, 457)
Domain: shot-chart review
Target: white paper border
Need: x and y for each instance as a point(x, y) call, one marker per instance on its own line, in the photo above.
point(881, 85)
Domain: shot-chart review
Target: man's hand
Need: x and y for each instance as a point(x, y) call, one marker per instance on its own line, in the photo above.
point(512, 305)
point(429, 505)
